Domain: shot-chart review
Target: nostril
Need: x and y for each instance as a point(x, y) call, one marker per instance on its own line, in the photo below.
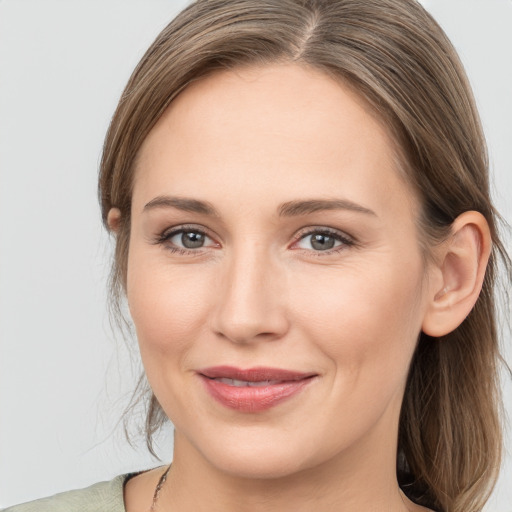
point(248, 333)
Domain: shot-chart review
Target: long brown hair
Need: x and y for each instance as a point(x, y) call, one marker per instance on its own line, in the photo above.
point(400, 61)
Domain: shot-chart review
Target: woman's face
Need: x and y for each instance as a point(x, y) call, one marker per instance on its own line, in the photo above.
point(275, 277)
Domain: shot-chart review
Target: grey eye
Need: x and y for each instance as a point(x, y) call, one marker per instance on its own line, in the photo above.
point(192, 240)
point(319, 241)
point(189, 239)
point(322, 242)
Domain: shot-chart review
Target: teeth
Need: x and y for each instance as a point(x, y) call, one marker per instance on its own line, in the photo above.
point(244, 383)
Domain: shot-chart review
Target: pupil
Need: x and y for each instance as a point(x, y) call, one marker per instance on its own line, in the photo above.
point(192, 240)
point(322, 242)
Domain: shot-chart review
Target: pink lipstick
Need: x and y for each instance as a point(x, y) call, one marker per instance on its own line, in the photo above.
point(253, 389)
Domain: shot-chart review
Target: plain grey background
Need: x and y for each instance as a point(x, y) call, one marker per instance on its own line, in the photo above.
point(64, 376)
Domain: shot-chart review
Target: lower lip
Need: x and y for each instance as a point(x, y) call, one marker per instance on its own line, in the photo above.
point(253, 399)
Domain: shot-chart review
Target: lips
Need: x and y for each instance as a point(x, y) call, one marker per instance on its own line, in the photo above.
point(254, 389)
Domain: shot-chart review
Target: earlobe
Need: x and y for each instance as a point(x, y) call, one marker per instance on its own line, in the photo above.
point(114, 219)
point(461, 264)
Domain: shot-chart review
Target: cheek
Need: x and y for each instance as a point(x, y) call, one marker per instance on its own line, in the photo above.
point(365, 318)
point(168, 305)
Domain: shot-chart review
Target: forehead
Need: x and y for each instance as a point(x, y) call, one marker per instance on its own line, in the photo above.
point(278, 124)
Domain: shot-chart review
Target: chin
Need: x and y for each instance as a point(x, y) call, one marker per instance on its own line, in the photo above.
point(260, 453)
point(260, 464)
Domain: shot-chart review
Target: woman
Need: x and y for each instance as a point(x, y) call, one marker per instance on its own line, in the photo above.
point(304, 234)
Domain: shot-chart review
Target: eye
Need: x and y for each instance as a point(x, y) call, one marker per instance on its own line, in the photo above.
point(188, 239)
point(185, 240)
point(323, 240)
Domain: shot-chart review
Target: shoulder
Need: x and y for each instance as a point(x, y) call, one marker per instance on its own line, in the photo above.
point(102, 496)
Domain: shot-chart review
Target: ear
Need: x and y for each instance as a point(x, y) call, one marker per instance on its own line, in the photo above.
point(459, 274)
point(114, 219)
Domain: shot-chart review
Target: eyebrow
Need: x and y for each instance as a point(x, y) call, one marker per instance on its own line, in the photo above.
point(182, 203)
point(296, 208)
point(288, 209)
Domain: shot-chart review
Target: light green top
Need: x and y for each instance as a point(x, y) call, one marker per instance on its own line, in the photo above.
point(100, 497)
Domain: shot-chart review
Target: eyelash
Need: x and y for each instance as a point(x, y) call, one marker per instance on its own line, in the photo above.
point(338, 236)
point(346, 241)
point(165, 237)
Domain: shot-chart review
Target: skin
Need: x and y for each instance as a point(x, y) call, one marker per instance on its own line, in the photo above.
point(258, 293)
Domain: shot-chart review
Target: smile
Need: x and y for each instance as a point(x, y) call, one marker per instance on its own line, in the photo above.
point(246, 383)
point(253, 390)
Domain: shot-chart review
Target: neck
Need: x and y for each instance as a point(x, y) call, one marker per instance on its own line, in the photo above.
point(359, 479)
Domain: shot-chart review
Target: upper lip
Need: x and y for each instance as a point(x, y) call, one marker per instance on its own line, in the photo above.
point(256, 374)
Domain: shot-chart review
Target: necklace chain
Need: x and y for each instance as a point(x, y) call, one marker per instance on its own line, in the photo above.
point(158, 488)
point(163, 478)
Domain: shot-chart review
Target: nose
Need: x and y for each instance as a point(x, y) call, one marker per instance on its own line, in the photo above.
point(251, 304)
